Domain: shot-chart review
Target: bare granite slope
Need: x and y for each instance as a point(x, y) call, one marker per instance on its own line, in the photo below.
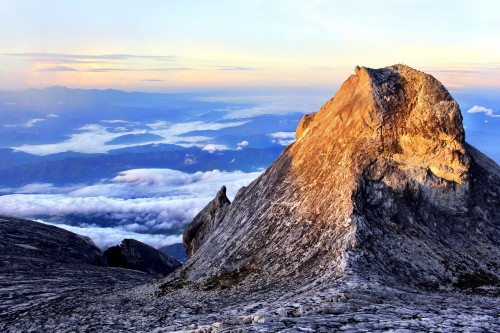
point(42, 264)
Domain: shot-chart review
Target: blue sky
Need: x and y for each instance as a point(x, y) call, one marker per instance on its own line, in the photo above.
point(195, 45)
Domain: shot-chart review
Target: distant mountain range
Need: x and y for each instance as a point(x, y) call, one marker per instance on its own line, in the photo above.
point(71, 168)
point(61, 135)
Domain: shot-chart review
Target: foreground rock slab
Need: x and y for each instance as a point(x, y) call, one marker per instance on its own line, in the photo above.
point(346, 306)
point(42, 264)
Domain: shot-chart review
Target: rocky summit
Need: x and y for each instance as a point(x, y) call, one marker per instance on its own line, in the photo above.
point(380, 184)
point(380, 217)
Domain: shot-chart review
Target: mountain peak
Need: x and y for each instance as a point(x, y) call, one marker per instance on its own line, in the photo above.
point(395, 112)
point(380, 182)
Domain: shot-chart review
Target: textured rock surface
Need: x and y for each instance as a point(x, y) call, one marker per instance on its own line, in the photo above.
point(28, 240)
point(346, 305)
point(133, 254)
point(42, 264)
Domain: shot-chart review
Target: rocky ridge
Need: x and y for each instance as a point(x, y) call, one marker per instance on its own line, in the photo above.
point(205, 221)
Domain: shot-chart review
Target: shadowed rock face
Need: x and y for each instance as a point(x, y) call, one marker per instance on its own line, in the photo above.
point(42, 265)
point(205, 221)
point(380, 184)
point(133, 254)
point(40, 243)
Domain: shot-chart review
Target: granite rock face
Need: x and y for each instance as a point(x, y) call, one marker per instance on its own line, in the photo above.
point(28, 240)
point(379, 184)
point(133, 254)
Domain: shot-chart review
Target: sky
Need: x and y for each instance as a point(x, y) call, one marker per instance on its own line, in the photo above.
point(190, 45)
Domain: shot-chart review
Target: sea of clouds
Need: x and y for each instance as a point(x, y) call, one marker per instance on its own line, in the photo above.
point(150, 205)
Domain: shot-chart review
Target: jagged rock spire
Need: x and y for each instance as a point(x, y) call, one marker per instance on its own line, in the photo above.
point(205, 221)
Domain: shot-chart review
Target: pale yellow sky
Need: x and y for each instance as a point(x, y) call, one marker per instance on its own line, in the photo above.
point(192, 45)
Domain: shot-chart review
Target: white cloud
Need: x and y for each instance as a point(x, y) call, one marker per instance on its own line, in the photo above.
point(106, 237)
point(92, 138)
point(38, 188)
point(211, 148)
point(115, 121)
point(283, 135)
point(159, 125)
point(269, 104)
point(29, 123)
point(283, 138)
point(243, 143)
point(144, 201)
point(32, 122)
point(486, 111)
point(165, 129)
point(138, 191)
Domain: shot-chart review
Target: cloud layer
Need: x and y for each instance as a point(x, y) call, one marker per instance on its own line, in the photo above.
point(92, 138)
point(283, 138)
point(107, 237)
point(146, 204)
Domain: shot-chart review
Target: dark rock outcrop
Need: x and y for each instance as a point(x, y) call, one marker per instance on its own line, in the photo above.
point(40, 243)
point(132, 254)
point(380, 184)
point(205, 221)
point(42, 266)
